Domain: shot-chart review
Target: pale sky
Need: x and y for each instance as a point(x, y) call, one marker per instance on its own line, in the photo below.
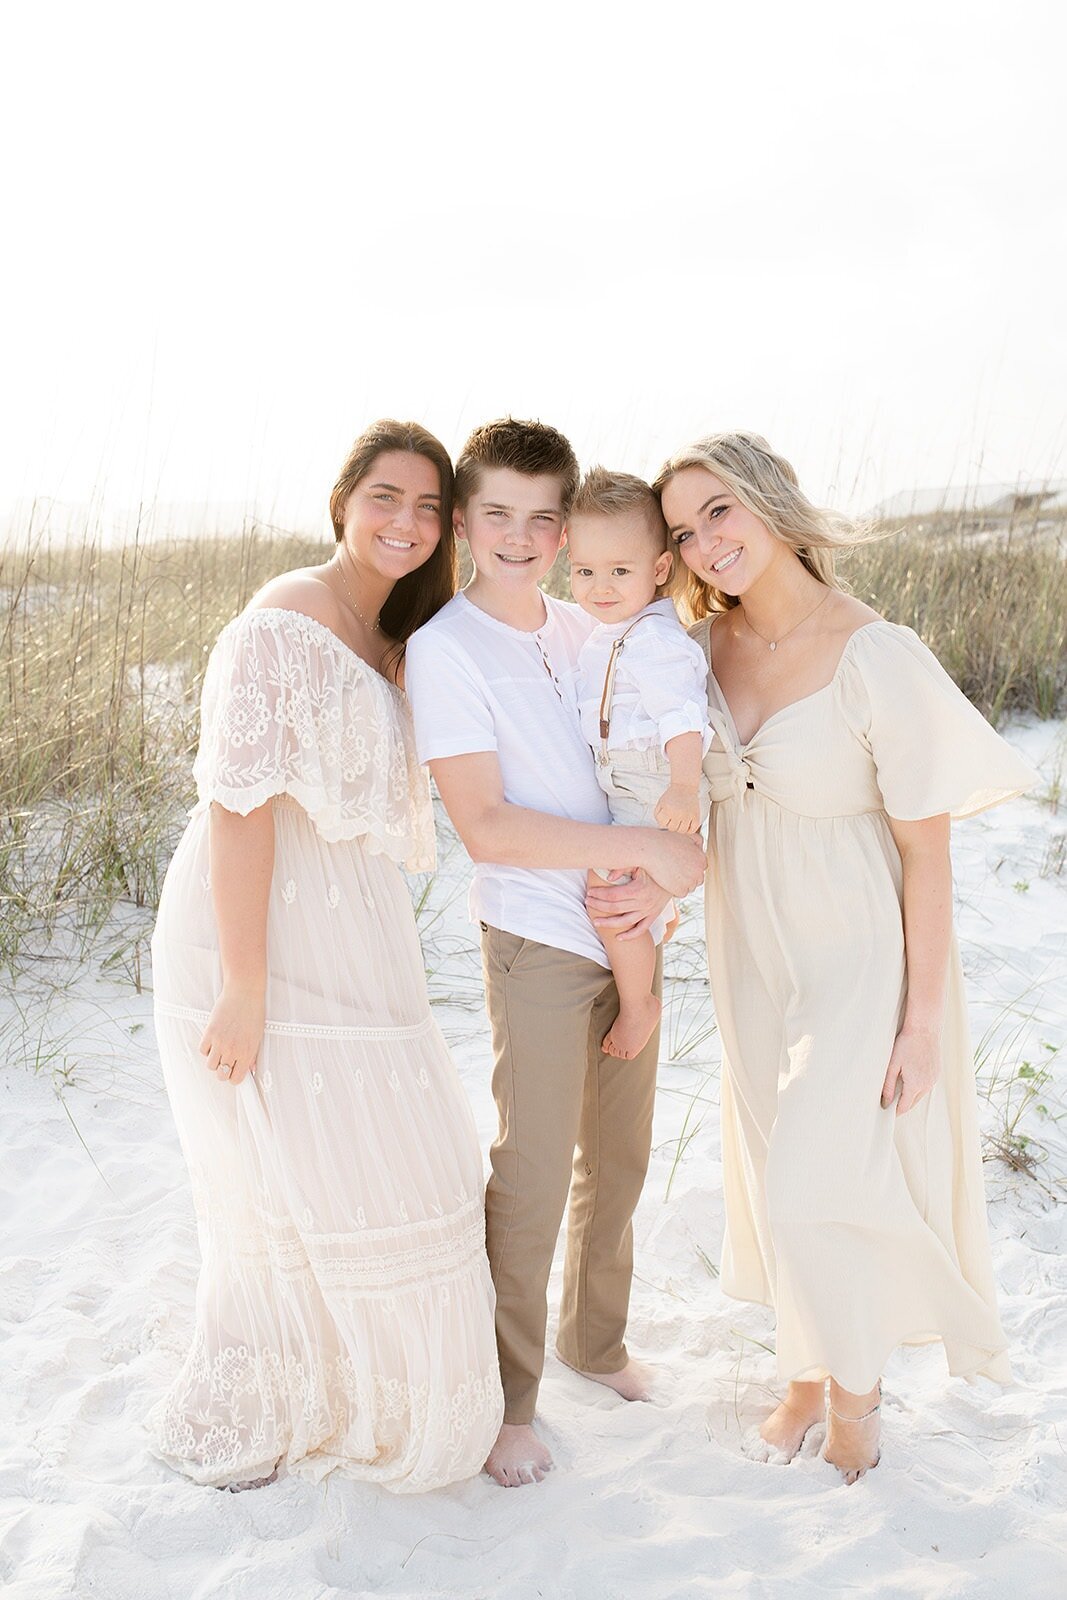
point(235, 233)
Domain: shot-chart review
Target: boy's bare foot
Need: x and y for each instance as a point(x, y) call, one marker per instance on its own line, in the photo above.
point(634, 1381)
point(852, 1431)
point(518, 1457)
point(783, 1431)
point(632, 1028)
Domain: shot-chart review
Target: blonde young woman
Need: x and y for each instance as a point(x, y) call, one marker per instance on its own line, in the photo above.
point(344, 1313)
point(851, 1163)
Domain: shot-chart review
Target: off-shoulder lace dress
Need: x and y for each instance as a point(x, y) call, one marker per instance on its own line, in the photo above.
point(344, 1313)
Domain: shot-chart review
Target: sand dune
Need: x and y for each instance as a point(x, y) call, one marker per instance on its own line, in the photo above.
point(651, 1501)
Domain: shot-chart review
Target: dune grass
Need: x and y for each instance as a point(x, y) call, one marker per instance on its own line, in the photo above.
point(102, 652)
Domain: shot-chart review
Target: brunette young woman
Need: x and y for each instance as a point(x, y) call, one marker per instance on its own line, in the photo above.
point(344, 1313)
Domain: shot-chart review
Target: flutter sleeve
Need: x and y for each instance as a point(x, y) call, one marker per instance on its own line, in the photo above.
point(670, 673)
point(286, 708)
point(933, 750)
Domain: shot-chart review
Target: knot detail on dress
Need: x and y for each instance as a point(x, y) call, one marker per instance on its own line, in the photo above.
point(729, 772)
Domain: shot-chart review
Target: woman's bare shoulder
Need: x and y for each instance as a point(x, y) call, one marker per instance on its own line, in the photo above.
point(301, 590)
point(850, 613)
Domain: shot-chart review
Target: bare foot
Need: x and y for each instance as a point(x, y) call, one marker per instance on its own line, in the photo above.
point(852, 1431)
point(518, 1457)
point(783, 1431)
point(634, 1381)
point(632, 1028)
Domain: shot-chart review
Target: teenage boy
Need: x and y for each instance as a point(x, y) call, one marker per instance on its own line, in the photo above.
point(490, 681)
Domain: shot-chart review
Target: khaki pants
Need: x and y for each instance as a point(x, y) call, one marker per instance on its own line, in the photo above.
point(571, 1120)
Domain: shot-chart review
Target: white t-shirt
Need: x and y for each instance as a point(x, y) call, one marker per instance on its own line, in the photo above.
point(660, 687)
point(476, 684)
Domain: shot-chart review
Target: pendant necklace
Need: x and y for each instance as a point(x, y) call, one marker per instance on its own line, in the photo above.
point(774, 643)
point(373, 626)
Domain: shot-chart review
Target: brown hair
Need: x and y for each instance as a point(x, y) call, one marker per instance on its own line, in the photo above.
point(420, 594)
point(767, 485)
point(613, 494)
point(531, 448)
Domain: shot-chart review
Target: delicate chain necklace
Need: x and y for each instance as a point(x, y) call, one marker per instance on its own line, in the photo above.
point(373, 626)
point(774, 643)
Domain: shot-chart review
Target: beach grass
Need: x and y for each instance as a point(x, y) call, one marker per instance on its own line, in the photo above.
point(102, 652)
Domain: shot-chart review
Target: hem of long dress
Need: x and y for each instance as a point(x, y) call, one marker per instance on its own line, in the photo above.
point(992, 1363)
point(313, 1467)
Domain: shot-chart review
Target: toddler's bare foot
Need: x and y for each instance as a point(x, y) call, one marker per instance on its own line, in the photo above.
point(632, 1028)
point(518, 1457)
point(783, 1431)
point(634, 1381)
point(852, 1431)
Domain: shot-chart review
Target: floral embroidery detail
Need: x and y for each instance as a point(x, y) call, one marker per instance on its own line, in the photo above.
point(316, 1083)
point(266, 1078)
point(247, 715)
point(269, 1396)
point(356, 756)
point(289, 891)
point(206, 881)
point(424, 1078)
point(358, 1075)
point(289, 710)
point(402, 1211)
point(394, 1081)
point(333, 897)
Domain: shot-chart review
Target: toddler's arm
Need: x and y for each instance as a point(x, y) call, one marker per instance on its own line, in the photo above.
point(679, 806)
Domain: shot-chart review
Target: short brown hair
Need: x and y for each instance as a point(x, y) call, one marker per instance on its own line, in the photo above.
point(420, 594)
point(612, 494)
point(531, 448)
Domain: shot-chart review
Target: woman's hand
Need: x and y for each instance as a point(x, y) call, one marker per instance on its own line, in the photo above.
point(914, 1067)
point(234, 1033)
point(626, 909)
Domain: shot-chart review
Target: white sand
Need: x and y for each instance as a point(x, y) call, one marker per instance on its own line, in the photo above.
point(651, 1501)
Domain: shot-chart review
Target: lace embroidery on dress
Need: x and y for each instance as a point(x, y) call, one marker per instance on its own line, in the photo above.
point(238, 1407)
point(288, 709)
point(305, 1030)
point(368, 1264)
point(326, 1400)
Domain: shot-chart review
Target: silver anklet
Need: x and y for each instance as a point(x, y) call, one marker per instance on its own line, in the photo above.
point(841, 1416)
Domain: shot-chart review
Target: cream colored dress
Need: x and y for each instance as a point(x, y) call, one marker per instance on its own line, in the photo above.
point(344, 1314)
point(862, 1229)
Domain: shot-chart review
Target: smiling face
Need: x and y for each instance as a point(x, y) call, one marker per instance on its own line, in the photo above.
point(719, 539)
point(392, 518)
point(617, 563)
point(513, 525)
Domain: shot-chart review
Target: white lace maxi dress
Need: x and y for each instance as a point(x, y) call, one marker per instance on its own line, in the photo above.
point(344, 1314)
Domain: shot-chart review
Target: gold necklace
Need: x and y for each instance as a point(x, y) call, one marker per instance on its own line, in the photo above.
point(373, 626)
point(774, 643)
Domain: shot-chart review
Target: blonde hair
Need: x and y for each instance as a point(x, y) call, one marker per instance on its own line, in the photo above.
point(765, 484)
point(613, 494)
